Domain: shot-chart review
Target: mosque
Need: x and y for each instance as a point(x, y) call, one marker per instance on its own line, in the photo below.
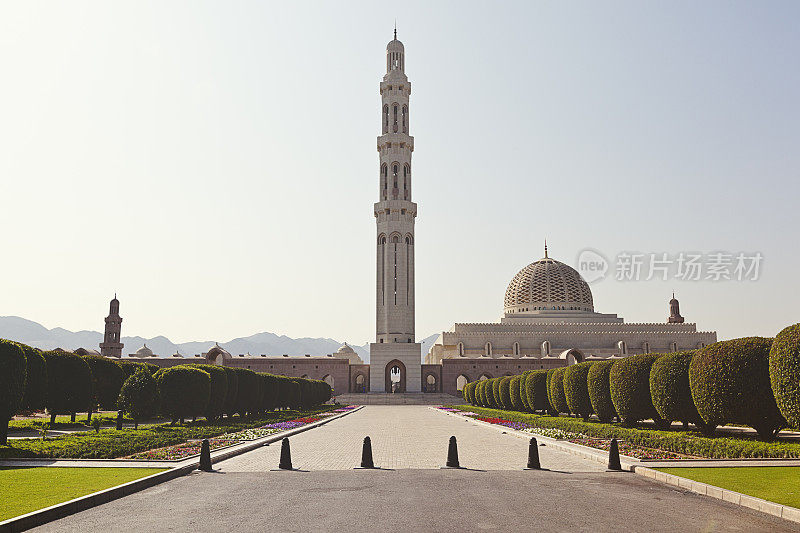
point(549, 318)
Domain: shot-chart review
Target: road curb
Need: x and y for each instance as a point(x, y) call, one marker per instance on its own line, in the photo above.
point(60, 510)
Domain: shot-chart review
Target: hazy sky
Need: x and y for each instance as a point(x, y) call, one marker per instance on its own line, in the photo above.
point(215, 163)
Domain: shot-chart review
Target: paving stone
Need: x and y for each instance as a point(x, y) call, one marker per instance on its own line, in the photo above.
point(405, 436)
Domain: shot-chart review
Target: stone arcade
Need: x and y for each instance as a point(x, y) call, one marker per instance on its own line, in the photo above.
point(549, 318)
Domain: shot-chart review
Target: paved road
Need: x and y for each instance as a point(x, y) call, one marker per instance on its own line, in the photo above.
point(404, 437)
point(573, 496)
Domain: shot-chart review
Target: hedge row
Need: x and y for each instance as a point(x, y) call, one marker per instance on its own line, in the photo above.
point(65, 383)
point(675, 441)
point(751, 381)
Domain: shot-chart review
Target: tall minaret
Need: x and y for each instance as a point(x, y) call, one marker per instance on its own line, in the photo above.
point(395, 214)
point(112, 345)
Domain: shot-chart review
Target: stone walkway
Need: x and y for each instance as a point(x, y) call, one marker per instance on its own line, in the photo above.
point(405, 437)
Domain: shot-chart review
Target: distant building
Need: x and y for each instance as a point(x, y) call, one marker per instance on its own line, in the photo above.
point(549, 316)
point(112, 340)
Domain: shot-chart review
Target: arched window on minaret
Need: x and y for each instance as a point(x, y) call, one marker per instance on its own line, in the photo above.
point(405, 119)
point(394, 123)
point(384, 181)
point(406, 175)
point(488, 349)
point(386, 118)
point(395, 171)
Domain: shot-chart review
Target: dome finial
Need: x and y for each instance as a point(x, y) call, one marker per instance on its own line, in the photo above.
point(545, 248)
point(395, 29)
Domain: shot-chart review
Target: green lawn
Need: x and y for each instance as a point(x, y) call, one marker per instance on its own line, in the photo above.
point(779, 484)
point(24, 489)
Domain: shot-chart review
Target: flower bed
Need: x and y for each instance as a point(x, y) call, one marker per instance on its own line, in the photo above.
point(344, 409)
point(631, 450)
point(250, 434)
point(190, 448)
point(625, 448)
point(182, 451)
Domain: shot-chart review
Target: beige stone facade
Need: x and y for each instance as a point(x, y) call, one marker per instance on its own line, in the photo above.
point(549, 320)
point(395, 349)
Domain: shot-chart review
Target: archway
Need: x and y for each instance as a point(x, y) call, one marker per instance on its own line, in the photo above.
point(461, 381)
point(395, 376)
point(572, 356)
point(360, 383)
point(430, 383)
point(329, 380)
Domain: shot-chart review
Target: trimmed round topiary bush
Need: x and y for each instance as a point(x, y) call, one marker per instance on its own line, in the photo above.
point(670, 392)
point(576, 389)
point(107, 380)
point(36, 383)
point(468, 393)
point(551, 410)
point(480, 393)
point(183, 391)
point(523, 395)
point(69, 384)
point(784, 373)
point(218, 392)
point(139, 396)
point(497, 401)
point(730, 383)
point(505, 392)
point(248, 398)
point(629, 382)
point(269, 400)
point(597, 381)
point(536, 390)
point(558, 400)
point(515, 389)
point(231, 397)
point(12, 383)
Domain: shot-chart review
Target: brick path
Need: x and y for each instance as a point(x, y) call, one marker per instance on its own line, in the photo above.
point(404, 437)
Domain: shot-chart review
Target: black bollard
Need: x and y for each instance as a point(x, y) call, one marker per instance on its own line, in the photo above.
point(205, 457)
point(452, 454)
point(533, 456)
point(286, 455)
point(613, 456)
point(119, 420)
point(366, 454)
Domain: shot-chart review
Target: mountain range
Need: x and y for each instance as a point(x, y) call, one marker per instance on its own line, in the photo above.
point(34, 334)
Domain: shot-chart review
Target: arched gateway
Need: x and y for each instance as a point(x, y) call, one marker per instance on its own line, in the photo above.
point(397, 369)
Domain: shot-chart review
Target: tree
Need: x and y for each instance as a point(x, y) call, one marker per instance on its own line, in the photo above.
point(139, 396)
point(36, 383)
point(12, 384)
point(183, 391)
point(69, 383)
point(107, 380)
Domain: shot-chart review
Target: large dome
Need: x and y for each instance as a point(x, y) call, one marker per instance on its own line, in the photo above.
point(548, 285)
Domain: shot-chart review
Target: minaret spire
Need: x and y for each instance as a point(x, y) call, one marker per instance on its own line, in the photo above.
point(395, 213)
point(112, 343)
point(545, 248)
point(395, 29)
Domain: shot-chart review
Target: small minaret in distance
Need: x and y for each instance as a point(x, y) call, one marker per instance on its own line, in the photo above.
point(111, 345)
point(675, 311)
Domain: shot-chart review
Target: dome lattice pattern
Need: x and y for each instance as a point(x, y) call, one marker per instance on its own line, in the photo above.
point(548, 284)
